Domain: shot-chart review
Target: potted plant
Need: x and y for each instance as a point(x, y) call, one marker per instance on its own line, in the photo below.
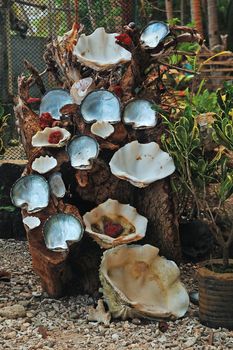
point(201, 143)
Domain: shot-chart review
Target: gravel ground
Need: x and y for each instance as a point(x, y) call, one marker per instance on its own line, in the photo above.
point(62, 324)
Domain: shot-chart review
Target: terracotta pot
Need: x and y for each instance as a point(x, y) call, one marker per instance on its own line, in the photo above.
point(215, 296)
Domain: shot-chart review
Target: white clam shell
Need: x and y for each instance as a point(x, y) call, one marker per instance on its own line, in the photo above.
point(113, 209)
point(44, 164)
point(57, 185)
point(137, 282)
point(153, 34)
point(141, 164)
point(31, 222)
point(80, 89)
point(102, 129)
point(30, 192)
point(99, 50)
point(59, 229)
point(53, 101)
point(101, 105)
point(140, 114)
point(40, 139)
point(82, 150)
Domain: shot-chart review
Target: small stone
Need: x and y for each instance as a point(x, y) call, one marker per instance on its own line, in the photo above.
point(115, 336)
point(14, 311)
point(25, 326)
point(190, 342)
point(136, 321)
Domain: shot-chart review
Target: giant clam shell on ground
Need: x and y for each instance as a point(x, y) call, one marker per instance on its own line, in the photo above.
point(113, 223)
point(141, 164)
point(80, 89)
point(82, 150)
point(101, 105)
point(153, 34)
point(99, 50)
point(60, 229)
point(140, 114)
point(41, 138)
point(53, 101)
point(137, 282)
point(44, 164)
point(30, 192)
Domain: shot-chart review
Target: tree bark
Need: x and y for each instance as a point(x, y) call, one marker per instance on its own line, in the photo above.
point(213, 23)
point(196, 15)
point(169, 9)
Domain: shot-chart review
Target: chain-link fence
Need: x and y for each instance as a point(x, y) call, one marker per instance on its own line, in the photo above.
point(27, 25)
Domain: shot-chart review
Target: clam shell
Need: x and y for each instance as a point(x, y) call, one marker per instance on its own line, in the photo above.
point(101, 105)
point(31, 222)
point(40, 139)
point(153, 34)
point(57, 185)
point(30, 192)
point(99, 50)
point(102, 129)
point(82, 150)
point(137, 282)
point(140, 114)
point(114, 210)
point(59, 229)
point(80, 89)
point(44, 164)
point(141, 164)
point(53, 101)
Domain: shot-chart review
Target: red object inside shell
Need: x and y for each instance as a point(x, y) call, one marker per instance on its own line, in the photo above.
point(124, 39)
point(55, 137)
point(46, 120)
point(113, 230)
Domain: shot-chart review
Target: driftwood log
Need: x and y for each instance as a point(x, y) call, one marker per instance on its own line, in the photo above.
point(77, 269)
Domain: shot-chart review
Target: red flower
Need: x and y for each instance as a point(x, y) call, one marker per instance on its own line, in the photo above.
point(55, 137)
point(124, 39)
point(118, 90)
point(46, 120)
point(33, 100)
point(112, 230)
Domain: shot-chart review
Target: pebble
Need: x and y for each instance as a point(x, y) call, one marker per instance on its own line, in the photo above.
point(14, 311)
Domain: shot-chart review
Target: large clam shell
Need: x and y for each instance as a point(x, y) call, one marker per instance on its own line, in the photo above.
point(99, 50)
point(141, 164)
point(101, 105)
point(53, 101)
point(61, 228)
point(80, 89)
point(40, 139)
point(57, 185)
point(82, 150)
point(134, 225)
point(30, 192)
point(153, 34)
point(44, 164)
point(140, 114)
point(137, 282)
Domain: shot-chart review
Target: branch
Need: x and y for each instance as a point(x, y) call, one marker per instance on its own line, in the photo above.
point(178, 68)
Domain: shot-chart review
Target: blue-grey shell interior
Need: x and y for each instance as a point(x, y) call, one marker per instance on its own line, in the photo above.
point(53, 101)
point(140, 114)
point(30, 192)
point(154, 33)
point(101, 105)
point(59, 229)
point(57, 185)
point(81, 149)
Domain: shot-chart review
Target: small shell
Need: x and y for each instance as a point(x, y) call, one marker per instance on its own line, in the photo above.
point(137, 282)
point(102, 129)
point(59, 229)
point(53, 101)
point(44, 164)
point(99, 50)
point(82, 150)
point(31, 222)
point(153, 34)
point(30, 192)
point(140, 114)
point(101, 105)
point(134, 225)
point(141, 164)
point(40, 139)
point(80, 89)
point(57, 185)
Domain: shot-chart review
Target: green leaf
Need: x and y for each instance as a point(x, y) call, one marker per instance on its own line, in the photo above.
point(181, 135)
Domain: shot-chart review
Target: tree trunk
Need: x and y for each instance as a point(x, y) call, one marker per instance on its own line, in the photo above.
point(213, 23)
point(196, 15)
point(169, 9)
